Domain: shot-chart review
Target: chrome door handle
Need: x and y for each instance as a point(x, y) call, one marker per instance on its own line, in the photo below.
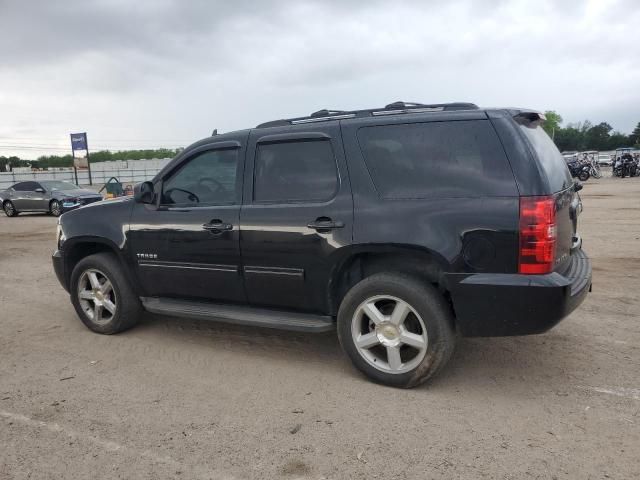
point(217, 226)
point(325, 225)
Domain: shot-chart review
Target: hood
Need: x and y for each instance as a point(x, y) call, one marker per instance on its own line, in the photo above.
point(78, 192)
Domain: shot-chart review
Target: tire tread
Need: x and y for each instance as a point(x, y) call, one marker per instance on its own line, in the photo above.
point(129, 308)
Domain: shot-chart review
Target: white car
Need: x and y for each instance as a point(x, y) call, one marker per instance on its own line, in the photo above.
point(605, 159)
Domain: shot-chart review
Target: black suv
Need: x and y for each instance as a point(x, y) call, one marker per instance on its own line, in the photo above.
point(402, 227)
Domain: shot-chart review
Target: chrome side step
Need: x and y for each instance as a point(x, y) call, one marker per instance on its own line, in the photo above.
point(241, 315)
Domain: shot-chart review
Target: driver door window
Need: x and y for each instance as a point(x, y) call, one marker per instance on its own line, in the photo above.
point(209, 178)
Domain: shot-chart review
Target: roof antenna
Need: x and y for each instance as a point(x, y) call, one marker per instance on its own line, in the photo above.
point(215, 132)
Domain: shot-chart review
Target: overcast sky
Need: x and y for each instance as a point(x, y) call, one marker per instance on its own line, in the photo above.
point(166, 73)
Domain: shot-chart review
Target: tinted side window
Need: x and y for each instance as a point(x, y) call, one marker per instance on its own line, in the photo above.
point(551, 160)
point(437, 159)
point(26, 186)
point(302, 171)
point(208, 178)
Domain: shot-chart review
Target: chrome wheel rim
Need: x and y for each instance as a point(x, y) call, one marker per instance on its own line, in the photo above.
point(96, 296)
point(389, 334)
point(55, 208)
point(8, 208)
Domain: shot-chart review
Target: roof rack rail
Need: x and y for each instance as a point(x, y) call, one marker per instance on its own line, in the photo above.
point(325, 113)
point(401, 104)
point(395, 108)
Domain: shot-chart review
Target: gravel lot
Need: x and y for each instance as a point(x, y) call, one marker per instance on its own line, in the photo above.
point(186, 399)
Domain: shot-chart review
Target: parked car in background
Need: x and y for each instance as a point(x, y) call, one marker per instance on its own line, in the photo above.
point(52, 196)
point(605, 159)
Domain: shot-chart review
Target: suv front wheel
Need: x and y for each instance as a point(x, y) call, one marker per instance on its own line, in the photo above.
point(396, 329)
point(102, 296)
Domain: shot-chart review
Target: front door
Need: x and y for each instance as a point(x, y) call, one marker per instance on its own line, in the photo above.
point(39, 200)
point(188, 245)
point(297, 215)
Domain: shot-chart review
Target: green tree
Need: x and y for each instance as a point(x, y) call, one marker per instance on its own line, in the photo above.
point(569, 138)
point(634, 138)
point(552, 122)
point(101, 156)
point(597, 137)
point(617, 139)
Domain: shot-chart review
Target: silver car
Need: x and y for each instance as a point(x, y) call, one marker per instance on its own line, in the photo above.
point(52, 196)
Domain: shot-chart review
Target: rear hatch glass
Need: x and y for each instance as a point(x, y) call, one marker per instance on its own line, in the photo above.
point(551, 160)
point(560, 186)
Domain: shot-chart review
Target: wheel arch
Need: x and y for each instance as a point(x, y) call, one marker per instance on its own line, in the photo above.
point(362, 261)
point(5, 201)
point(54, 199)
point(77, 248)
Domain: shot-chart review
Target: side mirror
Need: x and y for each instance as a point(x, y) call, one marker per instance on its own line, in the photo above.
point(39, 190)
point(143, 192)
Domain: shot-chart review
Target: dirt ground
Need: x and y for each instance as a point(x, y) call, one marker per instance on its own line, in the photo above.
point(187, 399)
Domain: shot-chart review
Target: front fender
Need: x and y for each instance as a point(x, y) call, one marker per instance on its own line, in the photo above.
point(94, 228)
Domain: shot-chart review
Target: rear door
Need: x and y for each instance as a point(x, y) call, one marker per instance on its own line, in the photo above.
point(21, 196)
point(297, 214)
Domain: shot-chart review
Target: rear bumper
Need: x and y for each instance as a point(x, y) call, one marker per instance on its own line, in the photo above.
point(58, 266)
point(488, 305)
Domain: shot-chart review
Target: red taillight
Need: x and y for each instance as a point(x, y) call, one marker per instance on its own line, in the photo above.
point(537, 235)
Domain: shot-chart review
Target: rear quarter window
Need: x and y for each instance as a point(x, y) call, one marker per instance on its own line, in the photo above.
point(437, 159)
point(553, 164)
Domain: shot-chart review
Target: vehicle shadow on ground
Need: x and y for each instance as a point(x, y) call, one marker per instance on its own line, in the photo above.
point(479, 361)
point(30, 214)
point(509, 361)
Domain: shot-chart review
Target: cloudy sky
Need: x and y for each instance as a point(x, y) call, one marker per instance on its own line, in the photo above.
point(164, 73)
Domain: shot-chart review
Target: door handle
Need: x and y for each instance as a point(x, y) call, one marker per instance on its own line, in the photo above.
point(217, 226)
point(325, 224)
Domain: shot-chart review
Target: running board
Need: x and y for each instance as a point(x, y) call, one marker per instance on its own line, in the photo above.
point(241, 315)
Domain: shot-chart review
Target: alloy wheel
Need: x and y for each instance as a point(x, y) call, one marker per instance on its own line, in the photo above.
point(389, 334)
point(8, 209)
point(55, 208)
point(96, 296)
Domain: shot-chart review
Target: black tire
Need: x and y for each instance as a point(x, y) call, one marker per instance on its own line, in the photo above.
point(55, 208)
point(128, 309)
point(583, 176)
point(427, 302)
point(9, 209)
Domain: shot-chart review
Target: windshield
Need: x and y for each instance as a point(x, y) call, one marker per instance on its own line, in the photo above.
point(552, 162)
point(58, 185)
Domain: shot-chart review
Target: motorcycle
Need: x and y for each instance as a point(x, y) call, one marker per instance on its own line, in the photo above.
point(594, 168)
point(618, 169)
point(579, 170)
point(625, 166)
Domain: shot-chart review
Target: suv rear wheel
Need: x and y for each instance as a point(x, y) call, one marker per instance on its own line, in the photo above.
point(396, 329)
point(102, 296)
